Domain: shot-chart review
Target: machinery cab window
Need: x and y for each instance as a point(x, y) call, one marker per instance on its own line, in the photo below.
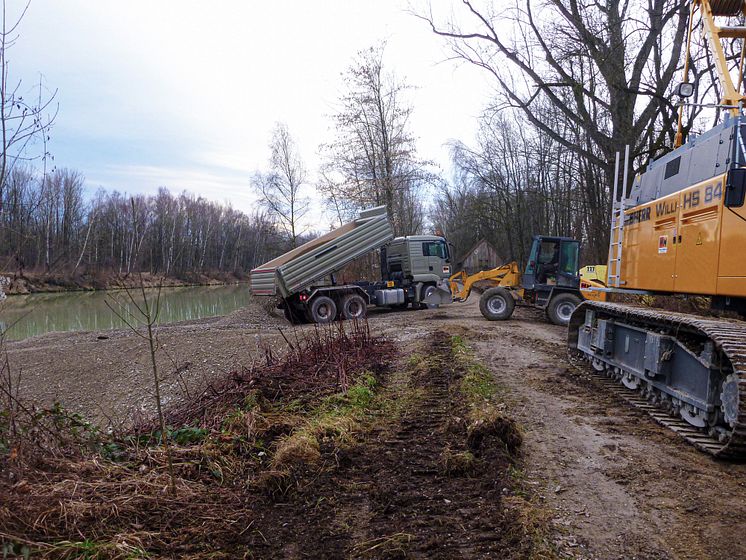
point(552, 262)
point(435, 249)
point(548, 262)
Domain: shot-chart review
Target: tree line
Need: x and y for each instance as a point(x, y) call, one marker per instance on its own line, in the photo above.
point(47, 225)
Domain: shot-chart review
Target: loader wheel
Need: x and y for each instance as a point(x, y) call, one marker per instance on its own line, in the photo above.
point(560, 308)
point(323, 310)
point(496, 304)
point(354, 307)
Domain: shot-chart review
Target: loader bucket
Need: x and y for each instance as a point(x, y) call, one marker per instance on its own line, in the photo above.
point(440, 296)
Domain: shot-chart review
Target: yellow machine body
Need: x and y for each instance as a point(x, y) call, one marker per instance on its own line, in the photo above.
point(593, 276)
point(507, 276)
point(686, 242)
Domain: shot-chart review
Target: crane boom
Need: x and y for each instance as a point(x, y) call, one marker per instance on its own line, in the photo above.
point(731, 97)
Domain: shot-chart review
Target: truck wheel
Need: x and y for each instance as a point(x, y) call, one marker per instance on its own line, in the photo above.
point(323, 310)
point(426, 291)
point(497, 304)
point(560, 308)
point(354, 307)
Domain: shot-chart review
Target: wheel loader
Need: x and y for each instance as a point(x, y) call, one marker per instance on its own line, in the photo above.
point(551, 281)
point(681, 230)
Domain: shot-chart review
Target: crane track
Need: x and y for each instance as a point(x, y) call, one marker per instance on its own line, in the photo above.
point(728, 336)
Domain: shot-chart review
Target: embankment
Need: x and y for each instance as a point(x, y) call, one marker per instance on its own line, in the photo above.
point(35, 282)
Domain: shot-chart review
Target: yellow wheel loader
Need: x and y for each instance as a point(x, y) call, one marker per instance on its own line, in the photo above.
point(551, 281)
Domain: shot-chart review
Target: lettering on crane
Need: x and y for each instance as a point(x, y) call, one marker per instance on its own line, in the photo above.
point(641, 215)
point(711, 193)
point(666, 208)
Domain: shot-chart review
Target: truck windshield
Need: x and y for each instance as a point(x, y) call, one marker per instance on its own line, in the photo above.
point(435, 249)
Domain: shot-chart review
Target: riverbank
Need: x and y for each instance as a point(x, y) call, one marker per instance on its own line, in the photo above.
point(31, 282)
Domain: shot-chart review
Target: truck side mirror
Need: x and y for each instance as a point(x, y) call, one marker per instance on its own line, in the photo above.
point(735, 188)
point(685, 89)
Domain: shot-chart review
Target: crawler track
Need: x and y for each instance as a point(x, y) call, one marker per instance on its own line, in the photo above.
point(729, 338)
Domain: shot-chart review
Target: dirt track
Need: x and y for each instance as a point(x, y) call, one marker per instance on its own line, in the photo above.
point(616, 484)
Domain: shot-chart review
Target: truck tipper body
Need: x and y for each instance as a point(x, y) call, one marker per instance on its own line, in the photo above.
point(413, 269)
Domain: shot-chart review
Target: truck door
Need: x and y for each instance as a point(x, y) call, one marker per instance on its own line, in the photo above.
point(436, 255)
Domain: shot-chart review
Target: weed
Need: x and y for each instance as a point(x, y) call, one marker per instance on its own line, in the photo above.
point(458, 463)
point(188, 435)
point(335, 418)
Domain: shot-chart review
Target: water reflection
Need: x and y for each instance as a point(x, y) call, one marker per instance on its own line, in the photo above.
point(35, 314)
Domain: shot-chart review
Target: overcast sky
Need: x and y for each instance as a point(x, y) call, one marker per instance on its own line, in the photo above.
point(184, 93)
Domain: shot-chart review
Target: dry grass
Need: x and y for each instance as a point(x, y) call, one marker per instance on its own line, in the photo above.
point(69, 491)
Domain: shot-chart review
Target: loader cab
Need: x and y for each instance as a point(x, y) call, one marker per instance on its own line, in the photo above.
point(553, 262)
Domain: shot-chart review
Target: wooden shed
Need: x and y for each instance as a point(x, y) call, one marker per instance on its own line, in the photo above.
point(482, 256)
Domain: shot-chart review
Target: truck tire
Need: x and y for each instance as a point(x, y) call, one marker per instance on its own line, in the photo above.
point(354, 307)
point(560, 308)
point(323, 309)
point(497, 304)
point(426, 291)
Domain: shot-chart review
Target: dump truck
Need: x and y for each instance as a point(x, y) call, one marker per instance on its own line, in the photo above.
point(413, 268)
point(551, 281)
point(681, 230)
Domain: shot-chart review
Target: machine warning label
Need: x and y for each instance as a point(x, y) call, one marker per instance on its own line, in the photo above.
point(663, 244)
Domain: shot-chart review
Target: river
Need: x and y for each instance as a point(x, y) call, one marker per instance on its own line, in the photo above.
point(30, 315)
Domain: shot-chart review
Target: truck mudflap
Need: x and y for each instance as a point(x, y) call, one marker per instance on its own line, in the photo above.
point(441, 295)
point(687, 372)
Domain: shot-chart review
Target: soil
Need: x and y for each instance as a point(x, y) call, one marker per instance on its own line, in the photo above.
point(614, 483)
point(390, 496)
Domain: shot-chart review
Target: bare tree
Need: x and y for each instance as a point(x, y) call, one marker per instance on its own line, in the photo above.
point(590, 78)
point(280, 189)
point(607, 68)
point(138, 310)
point(373, 158)
point(26, 115)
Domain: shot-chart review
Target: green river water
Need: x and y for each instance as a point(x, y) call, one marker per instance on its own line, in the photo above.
point(30, 315)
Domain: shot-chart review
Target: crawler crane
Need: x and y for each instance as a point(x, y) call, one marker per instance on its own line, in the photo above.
point(682, 230)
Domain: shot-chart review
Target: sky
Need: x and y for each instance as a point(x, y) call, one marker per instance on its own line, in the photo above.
point(184, 94)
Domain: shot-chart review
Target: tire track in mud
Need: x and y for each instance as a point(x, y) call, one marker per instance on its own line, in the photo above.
point(391, 496)
point(441, 516)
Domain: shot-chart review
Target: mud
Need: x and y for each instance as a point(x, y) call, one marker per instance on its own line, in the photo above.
point(389, 497)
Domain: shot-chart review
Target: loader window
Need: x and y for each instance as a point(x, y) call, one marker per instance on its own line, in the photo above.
point(548, 262)
point(569, 258)
point(549, 252)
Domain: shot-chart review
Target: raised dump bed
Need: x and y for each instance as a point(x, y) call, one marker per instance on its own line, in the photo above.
point(300, 268)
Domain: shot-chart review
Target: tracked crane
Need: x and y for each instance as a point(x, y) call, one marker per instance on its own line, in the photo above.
point(682, 230)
